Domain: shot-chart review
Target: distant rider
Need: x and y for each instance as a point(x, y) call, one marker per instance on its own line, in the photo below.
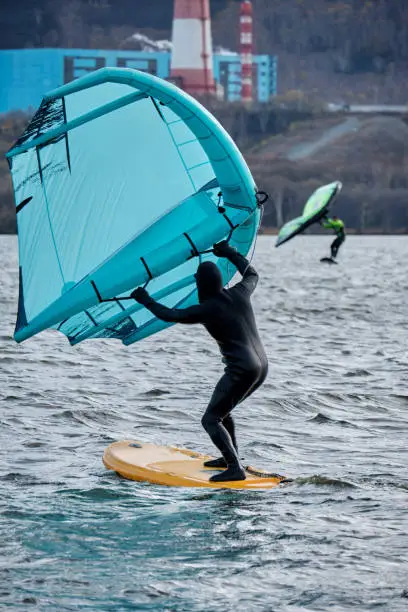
point(337, 225)
point(228, 317)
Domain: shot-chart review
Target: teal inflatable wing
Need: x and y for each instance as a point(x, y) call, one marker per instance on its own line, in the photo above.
point(315, 208)
point(122, 179)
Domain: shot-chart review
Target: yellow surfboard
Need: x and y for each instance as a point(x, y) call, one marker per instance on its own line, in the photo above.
point(176, 467)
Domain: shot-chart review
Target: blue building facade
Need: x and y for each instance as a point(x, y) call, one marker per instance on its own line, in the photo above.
point(27, 74)
point(227, 71)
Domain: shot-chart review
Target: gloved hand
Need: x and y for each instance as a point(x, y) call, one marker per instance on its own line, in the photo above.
point(223, 249)
point(140, 295)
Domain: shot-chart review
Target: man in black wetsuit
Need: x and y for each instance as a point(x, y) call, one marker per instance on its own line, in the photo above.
point(338, 228)
point(228, 317)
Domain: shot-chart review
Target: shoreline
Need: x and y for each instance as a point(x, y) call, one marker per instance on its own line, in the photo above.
point(273, 231)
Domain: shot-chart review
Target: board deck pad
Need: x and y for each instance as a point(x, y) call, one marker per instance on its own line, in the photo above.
point(176, 467)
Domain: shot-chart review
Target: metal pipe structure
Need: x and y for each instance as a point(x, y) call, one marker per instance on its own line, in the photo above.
point(246, 42)
point(192, 57)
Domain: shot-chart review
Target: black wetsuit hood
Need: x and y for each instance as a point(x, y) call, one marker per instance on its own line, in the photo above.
point(209, 281)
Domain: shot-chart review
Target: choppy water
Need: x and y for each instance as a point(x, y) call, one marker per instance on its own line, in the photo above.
point(332, 415)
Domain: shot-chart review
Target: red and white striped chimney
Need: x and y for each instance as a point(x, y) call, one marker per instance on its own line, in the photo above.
point(246, 40)
point(192, 58)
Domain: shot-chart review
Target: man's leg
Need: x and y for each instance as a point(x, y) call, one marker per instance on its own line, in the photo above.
point(335, 247)
point(229, 425)
point(228, 421)
point(226, 396)
point(257, 382)
point(341, 240)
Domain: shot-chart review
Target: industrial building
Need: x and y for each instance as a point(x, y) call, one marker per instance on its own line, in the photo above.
point(27, 74)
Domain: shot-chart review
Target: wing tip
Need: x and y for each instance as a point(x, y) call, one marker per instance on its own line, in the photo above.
point(21, 322)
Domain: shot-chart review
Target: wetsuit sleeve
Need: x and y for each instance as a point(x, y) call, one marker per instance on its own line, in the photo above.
point(249, 274)
point(193, 314)
point(327, 224)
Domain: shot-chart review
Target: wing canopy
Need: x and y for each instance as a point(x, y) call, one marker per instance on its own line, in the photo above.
point(315, 208)
point(118, 179)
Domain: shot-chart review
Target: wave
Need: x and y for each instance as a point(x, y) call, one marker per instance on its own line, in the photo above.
point(325, 481)
point(155, 393)
point(324, 419)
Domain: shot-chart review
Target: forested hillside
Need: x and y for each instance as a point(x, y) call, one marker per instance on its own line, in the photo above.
point(83, 23)
point(358, 35)
point(344, 50)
